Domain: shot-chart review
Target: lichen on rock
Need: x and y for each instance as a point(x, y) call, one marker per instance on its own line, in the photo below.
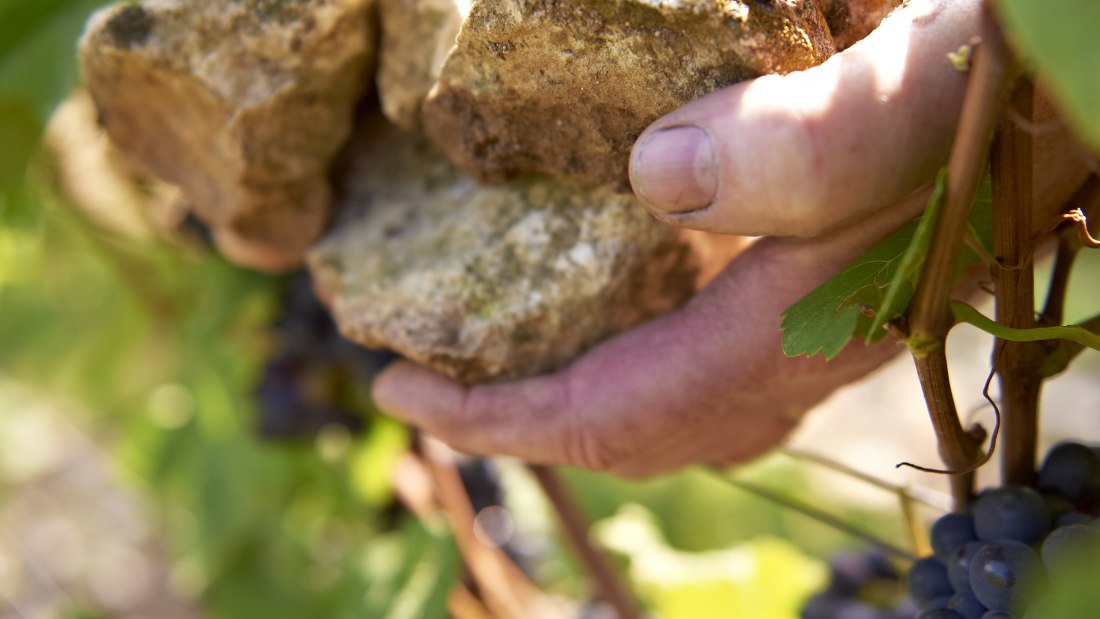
point(240, 103)
point(565, 87)
point(489, 282)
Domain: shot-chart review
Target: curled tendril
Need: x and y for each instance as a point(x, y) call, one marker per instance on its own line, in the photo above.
point(977, 428)
point(1077, 216)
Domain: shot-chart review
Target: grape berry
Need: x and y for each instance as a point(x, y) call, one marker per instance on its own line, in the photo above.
point(996, 561)
point(864, 586)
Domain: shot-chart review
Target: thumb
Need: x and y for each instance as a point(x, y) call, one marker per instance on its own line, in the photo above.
point(801, 153)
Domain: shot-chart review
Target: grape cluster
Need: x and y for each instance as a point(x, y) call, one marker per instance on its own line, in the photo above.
point(313, 377)
point(996, 561)
point(861, 586)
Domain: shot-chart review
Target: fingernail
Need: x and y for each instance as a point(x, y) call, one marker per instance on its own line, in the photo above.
point(673, 170)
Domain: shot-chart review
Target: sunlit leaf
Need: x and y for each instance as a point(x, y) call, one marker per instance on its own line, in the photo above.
point(825, 320)
point(905, 279)
point(1059, 38)
point(879, 284)
point(765, 577)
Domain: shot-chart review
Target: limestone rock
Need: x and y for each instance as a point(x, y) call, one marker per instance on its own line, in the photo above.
point(241, 103)
point(489, 282)
point(851, 20)
point(416, 36)
point(566, 87)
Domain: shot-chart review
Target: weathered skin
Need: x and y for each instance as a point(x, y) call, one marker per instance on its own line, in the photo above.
point(566, 87)
point(241, 104)
point(488, 282)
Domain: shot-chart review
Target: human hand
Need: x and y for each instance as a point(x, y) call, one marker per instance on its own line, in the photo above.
point(811, 154)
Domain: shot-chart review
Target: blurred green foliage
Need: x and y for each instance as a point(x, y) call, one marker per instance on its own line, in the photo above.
point(37, 70)
point(1058, 37)
point(163, 350)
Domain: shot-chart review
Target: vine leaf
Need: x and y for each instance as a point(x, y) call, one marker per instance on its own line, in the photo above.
point(1058, 38)
point(863, 298)
point(905, 279)
point(829, 317)
point(1074, 333)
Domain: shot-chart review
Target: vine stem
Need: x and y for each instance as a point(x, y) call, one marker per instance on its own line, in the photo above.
point(576, 529)
point(912, 494)
point(929, 317)
point(1017, 363)
point(507, 592)
point(813, 513)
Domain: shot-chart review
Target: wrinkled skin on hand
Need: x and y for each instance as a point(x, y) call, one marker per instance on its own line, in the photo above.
point(827, 161)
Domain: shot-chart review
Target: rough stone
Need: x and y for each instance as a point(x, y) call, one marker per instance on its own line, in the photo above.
point(416, 36)
point(851, 20)
point(566, 87)
point(488, 282)
point(241, 103)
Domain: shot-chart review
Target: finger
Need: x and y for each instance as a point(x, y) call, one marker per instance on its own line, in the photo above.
point(799, 154)
point(750, 426)
point(636, 403)
point(523, 419)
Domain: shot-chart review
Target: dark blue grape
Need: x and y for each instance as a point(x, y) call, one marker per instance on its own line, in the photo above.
point(967, 605)
point(939, 613)
point(958, 569)
point(861, 586)
point(821, 606)
point(854, 609)
point(1070, 470)
point(905, 610)
point(481, 479)
point(1011, 513)
point(1058, 505)
point(1074, 517)
point(849, 572)
point(1068, 548)
point(927, 581)
point(950, 532)
point(996, 614)
point(1001, 572)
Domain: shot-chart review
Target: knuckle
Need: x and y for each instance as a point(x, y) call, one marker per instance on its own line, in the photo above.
point(590, 451)
point(585, 444)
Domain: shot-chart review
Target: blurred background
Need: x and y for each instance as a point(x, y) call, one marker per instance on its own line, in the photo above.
point(182, 438)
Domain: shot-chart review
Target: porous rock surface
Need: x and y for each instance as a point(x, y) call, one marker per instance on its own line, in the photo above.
point(241, 103)
point(488, 282)
point(566, 87)
point(416, 36)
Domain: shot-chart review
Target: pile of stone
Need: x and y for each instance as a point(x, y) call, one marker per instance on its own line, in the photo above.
point(454, 170)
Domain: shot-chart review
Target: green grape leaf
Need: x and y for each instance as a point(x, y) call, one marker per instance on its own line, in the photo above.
point(876, 289)
point(905, 278)
point(979, 226)
point(1058, 37)
point(829, 317)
